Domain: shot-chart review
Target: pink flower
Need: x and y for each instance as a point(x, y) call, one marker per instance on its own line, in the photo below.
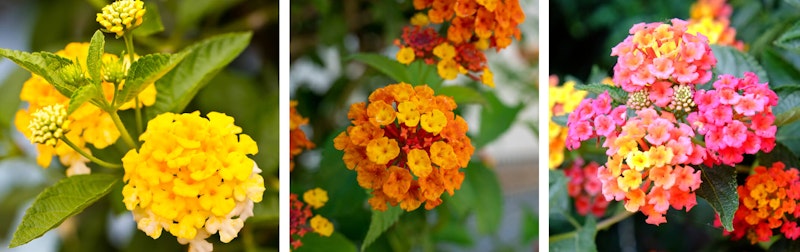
point(734, 134)
point(661, 93)
point(582, 130)
point(661, 67)
point(748, 105)
point(686, 178)
point(658, 131)
point(604, 125)
point(728, 96)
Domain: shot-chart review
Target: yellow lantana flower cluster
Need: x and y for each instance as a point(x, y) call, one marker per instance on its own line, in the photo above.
point(121, 16)
point(88, 124)
point(563, 99)
point(712, 19)
point(193, 178)
point(407, 146)
point(49, 124)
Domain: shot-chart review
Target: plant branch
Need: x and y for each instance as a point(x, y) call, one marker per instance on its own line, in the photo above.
point(600, 226)
point(122, 130)
point(89, 156)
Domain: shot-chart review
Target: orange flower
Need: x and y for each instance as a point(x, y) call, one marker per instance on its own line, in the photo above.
point(407, 146)
point(297, 138)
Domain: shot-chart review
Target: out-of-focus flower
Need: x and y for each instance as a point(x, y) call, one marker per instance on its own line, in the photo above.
point(563, 99)
point(301, 212)
point(768, 200)
point(297, 137)
point(585, 188)
point(193, 178)
point(88, 124)
point(121, 16)
point(712, 19)
point(406, 145)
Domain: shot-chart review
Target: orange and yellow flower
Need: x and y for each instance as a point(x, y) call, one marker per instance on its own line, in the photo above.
point(297, 137)
point(563, 100)
point(407, 146)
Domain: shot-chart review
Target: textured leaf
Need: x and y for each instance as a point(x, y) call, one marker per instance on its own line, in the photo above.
point(57, 203)
point(94, 60)
point(81, 96)
point(495, 120)
point(719, 189)
point(790, 39)
point(462, 95)
point(788, 108)
point(736, 63)
point(203, 60)
point(381, 221)
point(144, 71)
point(559, 200)
point(615, 92)
point(489, 197)
point(582, 241)
point(45, 64)
point(779, 154)
point(779, 67)
point(336, 242)
point(787, 135)
point(151, 22)
point(385, 65)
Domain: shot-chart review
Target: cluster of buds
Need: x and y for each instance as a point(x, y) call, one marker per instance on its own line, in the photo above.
point(121, 16)
point(49, 124)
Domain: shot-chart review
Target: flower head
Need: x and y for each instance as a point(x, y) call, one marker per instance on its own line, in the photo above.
point(301, 212)
point(49, 124)
point(563, 100)
point(121, 16)
point(192, 177)
point(297, 137)
point(712, 19)
point(768, 201)
point(585, 187)
point(406, 146)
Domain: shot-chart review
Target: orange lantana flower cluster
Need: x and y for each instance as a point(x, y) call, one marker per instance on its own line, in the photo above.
point(474, 26)
point(297, 138)
point(407, 146)
point(768, 200)
point(712, 19)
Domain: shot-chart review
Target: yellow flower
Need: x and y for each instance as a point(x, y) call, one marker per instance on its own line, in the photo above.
point(487, 77)
point(322, 226)
point(192, 177)
point(405, 55)
point(382, 150)
point(631, 179)
point(419, 162)
point(444, 51)
point(638, 160)
point(121, 16)
point(420, 19)
point(316, 197)
point(433, 121)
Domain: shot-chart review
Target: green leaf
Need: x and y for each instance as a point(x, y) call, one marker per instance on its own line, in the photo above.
point(530, 224)
point(787, 135)
point(719, 189)
point(454, 232)
point(203, 60)
point(45, 64)
point(488, 197)
point(583, 240)
point(736, 63)
point(57, 203)
point(385, 65)
point(783, 244)
point(9, 96)
point(788, 108)
point(559, 200)
point(313, 242)
point(151, 22)
point(496, 118)
point(462, 94)
point(381, 221)
point(795, 3)
point(560, 120)
point(94, 60)
point(790, 39)
point(420, 73)
point(81, 96)
point(779, 67)
point(616, 93)
point(778, 154)
point(144, 71)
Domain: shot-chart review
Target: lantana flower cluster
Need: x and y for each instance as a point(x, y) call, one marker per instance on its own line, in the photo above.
point(563, 99)
point(300, 213)
point(407, 146)
point(474, 26)
point(297, 137)
point(654, 154)
point(193, 178)
point(768, 200)
point(88, 124)
point(585, 187)
point(712, 19)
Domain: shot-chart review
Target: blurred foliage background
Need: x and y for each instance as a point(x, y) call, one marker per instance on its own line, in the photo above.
point(325, 80)
point(247, 90)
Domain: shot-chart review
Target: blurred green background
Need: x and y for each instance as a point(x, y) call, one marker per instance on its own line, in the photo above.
point(247, 90)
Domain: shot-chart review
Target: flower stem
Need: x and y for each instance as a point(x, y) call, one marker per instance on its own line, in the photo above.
point(122, 130)
point(89, 156)
point(600, 226)
point(129, 46)
point(138, 116)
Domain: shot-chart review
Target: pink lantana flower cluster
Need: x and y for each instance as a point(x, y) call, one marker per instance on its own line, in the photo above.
point(585, 188)
point(667, 128)
point(657, 54)
point(735, 118)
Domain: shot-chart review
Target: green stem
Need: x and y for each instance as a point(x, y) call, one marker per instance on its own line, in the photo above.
point(89, 156)
point(122, 130)
point(600, 226)
point(129, 46)
point(138, 116)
